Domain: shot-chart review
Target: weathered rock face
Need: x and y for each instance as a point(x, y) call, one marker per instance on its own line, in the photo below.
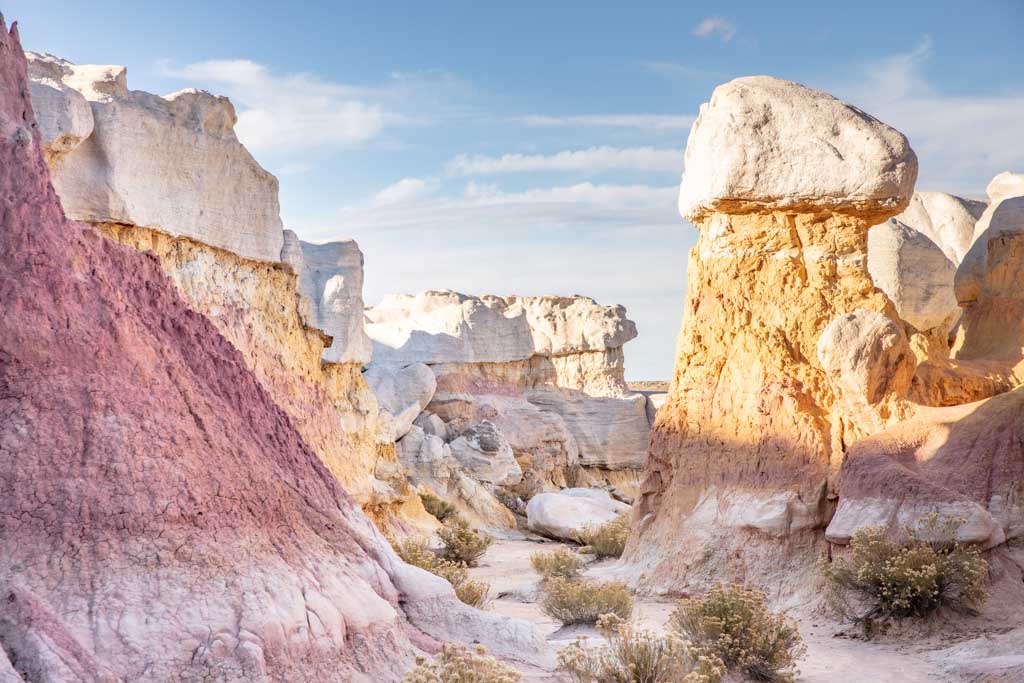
point(945, 219)
point(486, 455)
point(209, 541)
point(566, 514)
point(331, 279)
point(783, 184)
point(131, 159)
point(915, 273)
point(402, 392)
point(867, 355)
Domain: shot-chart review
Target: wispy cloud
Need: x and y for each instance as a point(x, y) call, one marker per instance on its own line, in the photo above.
point(712, 26)
point(584, 160)
point(642, 121)
point(961, 140)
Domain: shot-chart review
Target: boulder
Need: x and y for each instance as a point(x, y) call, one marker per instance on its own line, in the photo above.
point(432, 424)
point(867, 356)
point(763, 143)
point(566, 514)
point(485, 454)
point(171, 163)
point(331, 278)
point(909, 267)
point(945, 219)
point(402, 392)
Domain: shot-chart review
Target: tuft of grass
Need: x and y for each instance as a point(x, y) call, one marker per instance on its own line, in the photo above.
point(461, 543)
point(562, 563)
point(609, 539)
point(883, 579)
point(637, 656)
point(440, 509)
point(584, 602)
point(455, 664)
point(734, 624)
point(417, 552)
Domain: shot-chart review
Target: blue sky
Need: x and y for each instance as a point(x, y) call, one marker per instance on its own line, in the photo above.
point(535, 147)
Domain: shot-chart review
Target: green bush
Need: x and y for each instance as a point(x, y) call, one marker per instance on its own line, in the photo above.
point(456, 664)
point(608, 540)
point(440, 509)
point(883, 579)
point(584, 602)
point(562, 563)
point(637, 656)
point(461, 543)
point(734, 624)
point(417, 552)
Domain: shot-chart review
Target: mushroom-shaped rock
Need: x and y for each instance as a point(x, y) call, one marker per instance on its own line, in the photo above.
point(402, 391)
point(568, 513)
point(914, 272)
point(331, 278)
point(763, 142)
point(486, 455)
point(867, 355)
point(945, 219)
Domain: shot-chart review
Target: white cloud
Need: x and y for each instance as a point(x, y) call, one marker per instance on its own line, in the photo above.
point(592, 159)
point(404, 190)
point(715, 25)
point(642, 121)
point(961, 140)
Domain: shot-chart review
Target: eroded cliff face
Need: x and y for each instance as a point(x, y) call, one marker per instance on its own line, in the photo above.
point(744, 454)
point(160, 515)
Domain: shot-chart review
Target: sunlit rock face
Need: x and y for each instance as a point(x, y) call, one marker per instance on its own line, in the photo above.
point(783, 183)
point(945, 219)
point(161, 517)
point(132, 159)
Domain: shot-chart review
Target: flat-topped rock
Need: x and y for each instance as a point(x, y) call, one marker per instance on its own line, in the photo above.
point(171, 163)
point(947, 220)
point(763, 143)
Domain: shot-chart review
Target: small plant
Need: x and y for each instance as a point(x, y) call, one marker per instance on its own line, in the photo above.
point(584, 602)
point(456, 664)
point(440, 509)
point(562, 563)
point(609, 539)
point(883, 579)
point(734, 624)
point(417, 552)
point(638, 656)
point(461, 543)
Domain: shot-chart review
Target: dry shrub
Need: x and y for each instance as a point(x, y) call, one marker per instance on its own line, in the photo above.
point(584, 602)
point(609, 539)
point(883, 579)
point(440, 509)
point(456, 664)
point(562, 563)
point(417, 552)
point(638, 656)
point(461, 543)
point(735, 624)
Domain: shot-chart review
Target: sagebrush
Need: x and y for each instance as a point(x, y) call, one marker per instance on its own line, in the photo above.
point(562, 563)
point(609, 539)
point(734, 623)
point(461, 542)
point(886, 579)
point(637, 656)
point(417, 552)
point(440, 509)
point(456, 664)
point(584, 602)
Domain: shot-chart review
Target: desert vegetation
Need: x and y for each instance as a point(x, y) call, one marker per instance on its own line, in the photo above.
point(883, 579)
point(463, 543)
point(456, 664)
point(440, 509)
point(562, 563)
point(584, 602)
point(608, 540)
point(734, 623)
point(417, 552)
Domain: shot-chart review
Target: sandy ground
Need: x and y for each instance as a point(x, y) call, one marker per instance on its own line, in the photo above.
point(506, 566)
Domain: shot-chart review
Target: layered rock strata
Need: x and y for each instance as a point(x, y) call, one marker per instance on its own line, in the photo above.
point(783, 183)
point(161, 517)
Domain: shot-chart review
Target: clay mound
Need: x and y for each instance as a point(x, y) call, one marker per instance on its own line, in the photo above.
point(160, 517)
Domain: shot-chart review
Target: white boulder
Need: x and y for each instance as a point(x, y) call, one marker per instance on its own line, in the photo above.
point(566, 514)
point(914, 272)
point(171, 163)
point(402, 392)
point(866, 355)
point(947, 220)
point(570, 324)
point(485, 454)
point(763, 142)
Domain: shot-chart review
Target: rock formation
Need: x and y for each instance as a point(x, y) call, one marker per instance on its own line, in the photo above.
point(945, 219)
point(108, 165)
point(783, 183)
point(161, 517)
point(568, 513)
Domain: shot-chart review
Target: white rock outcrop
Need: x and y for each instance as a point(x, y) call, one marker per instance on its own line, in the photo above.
point(867, 355)
point(850, 160)
point(136, 161)
point(915, 273)
point(331, 279)
point(402, 392)
point(485, 454)
point(947, 220)
point(566, 514)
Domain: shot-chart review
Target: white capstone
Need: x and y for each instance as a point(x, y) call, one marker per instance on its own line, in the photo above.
point(62, 113)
